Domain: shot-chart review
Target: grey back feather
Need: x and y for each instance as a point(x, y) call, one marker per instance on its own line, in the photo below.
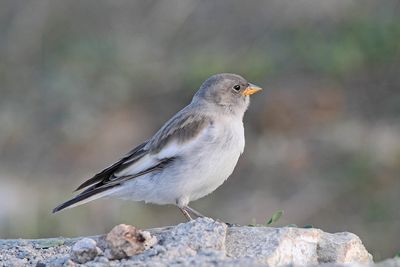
point(182, 127)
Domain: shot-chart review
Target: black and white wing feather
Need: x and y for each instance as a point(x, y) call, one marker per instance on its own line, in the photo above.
point(185, 127)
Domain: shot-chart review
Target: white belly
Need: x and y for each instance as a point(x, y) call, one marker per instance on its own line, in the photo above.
point(217, 165)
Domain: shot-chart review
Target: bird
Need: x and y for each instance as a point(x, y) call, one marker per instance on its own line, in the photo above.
point(189, 157)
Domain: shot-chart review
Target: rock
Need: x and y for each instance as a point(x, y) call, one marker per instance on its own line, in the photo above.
point(34, 253)
point(342, 248)
point(125, 241)
point(298, 246)
point(68, 263)
point(395, 262)
point(84, 250)
point(187, 238)
point(187, 241)
point(202, 242)
point(16, 263)
point(59, 261)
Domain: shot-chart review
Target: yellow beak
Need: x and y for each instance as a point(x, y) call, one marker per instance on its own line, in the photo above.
point(251, 89)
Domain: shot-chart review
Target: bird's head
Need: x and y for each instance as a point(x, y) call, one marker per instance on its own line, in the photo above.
point(227, 90)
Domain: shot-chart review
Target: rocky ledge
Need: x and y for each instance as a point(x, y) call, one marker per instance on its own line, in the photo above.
point(202, 242)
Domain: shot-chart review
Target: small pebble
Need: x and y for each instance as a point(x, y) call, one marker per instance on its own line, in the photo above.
point(84, 250)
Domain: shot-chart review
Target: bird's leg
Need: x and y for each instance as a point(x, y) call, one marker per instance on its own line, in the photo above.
point(186, 213)
point(195, 212)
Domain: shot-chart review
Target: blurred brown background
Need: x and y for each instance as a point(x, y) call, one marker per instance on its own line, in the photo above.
point(82, 82)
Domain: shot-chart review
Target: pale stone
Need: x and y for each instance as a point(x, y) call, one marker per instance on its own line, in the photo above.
point(125, 240)
point(84, 250)
point(202, 242)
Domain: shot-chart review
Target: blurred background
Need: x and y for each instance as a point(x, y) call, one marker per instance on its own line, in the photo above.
point(82, 82)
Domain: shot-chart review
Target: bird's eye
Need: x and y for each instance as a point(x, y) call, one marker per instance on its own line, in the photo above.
point(236, 87)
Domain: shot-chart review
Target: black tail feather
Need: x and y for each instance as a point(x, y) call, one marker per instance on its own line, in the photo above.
point(82, 196)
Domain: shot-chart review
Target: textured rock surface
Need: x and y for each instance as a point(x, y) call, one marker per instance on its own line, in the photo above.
point(84, 250)
point(203, 242)
point(282, 246)
point(395, 262)
point(124, 241)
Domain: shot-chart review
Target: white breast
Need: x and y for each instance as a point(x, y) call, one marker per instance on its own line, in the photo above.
point(217, 159)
